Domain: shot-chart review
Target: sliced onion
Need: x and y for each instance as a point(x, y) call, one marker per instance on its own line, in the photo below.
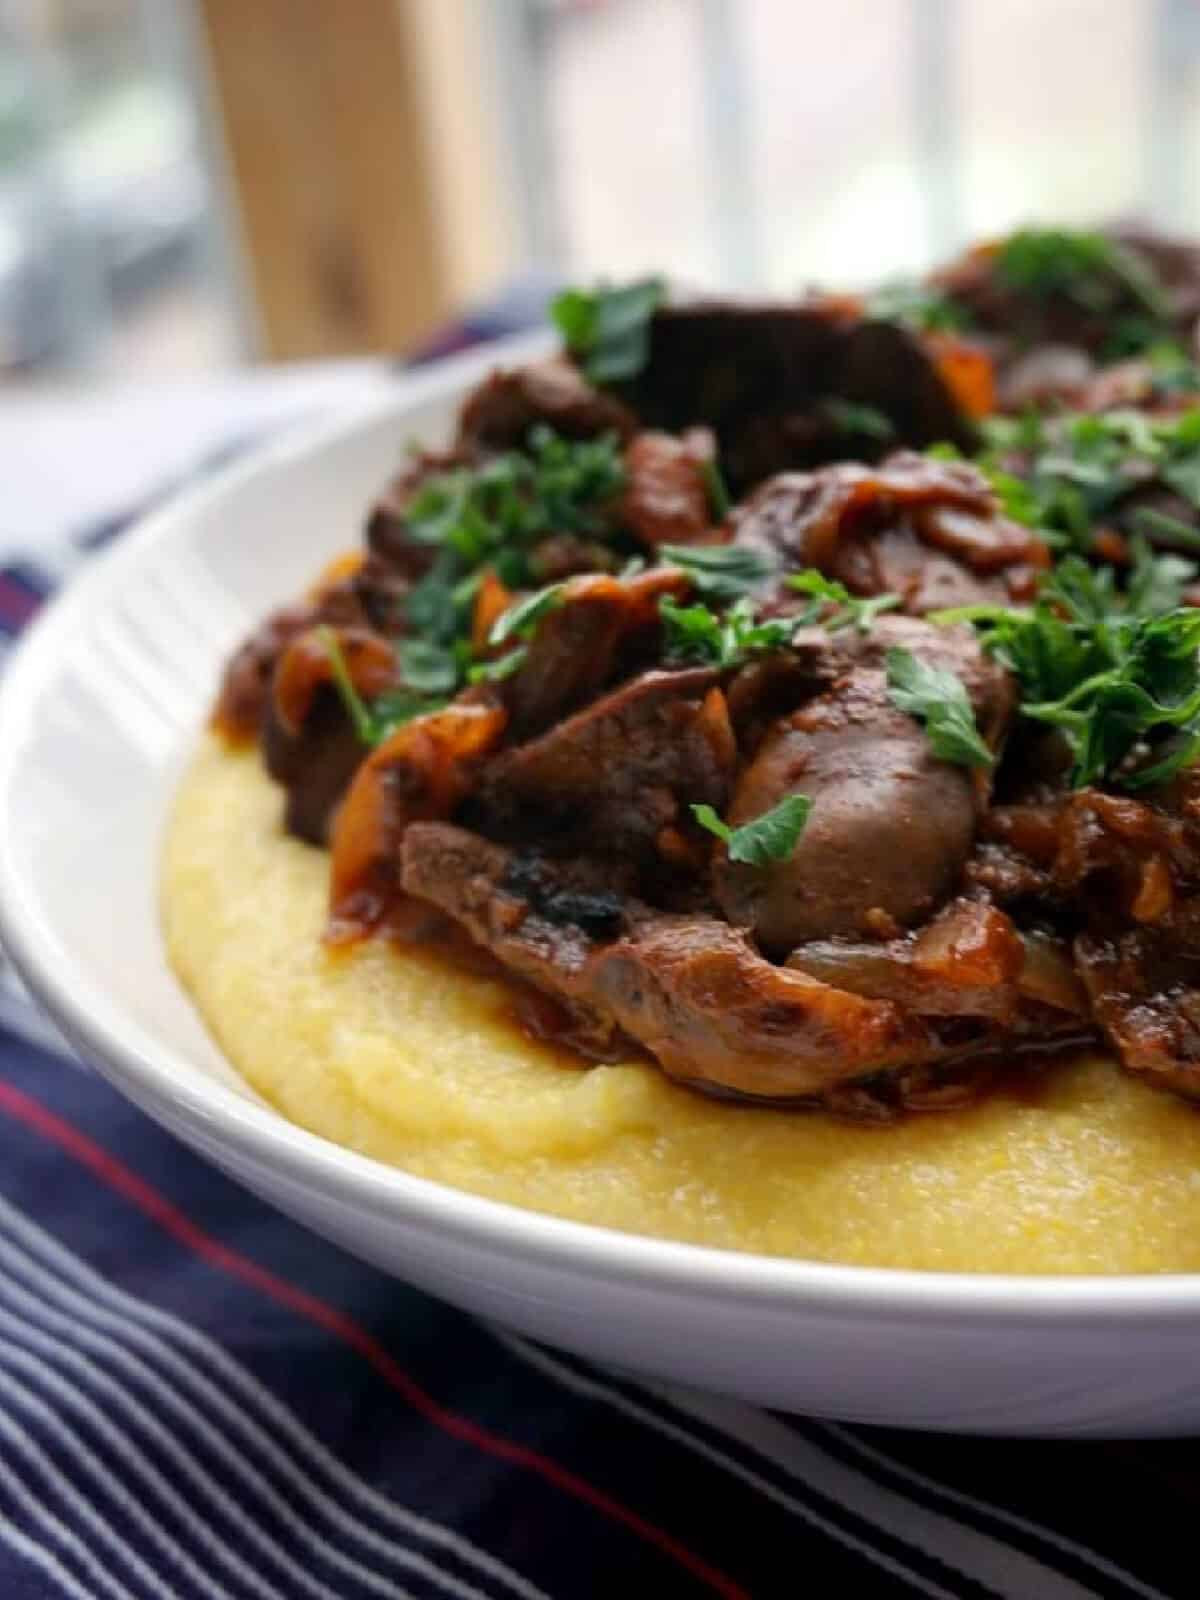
point(1049, 975)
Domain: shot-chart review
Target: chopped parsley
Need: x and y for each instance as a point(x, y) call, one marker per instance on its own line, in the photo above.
point(553, 485)
point(607, 330)
point(853, 418)
point(849, 609)
point(1067, 474)
point(771, 837)
point(696, 633)
point(1149, 521)
point(1172, 369)
point(378, 721)
point(1096, 272)
point(428, 668)
point(1117, 672)
point(522, 617)
point(503, 667)
point(476, 519)
point(718, 493)
point(493, 516)
point(1156, 582)
point(936, 697)
point(719, 571)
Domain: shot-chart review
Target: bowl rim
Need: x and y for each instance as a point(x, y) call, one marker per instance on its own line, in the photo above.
point(155, 1074)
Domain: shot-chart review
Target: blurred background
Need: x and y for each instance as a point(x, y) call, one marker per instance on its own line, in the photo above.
point(187, 186)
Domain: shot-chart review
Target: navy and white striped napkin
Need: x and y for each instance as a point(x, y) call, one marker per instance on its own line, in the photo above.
point(200, 1401)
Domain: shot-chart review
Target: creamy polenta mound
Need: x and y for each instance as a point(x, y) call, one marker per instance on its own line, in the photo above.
point(395, 1055)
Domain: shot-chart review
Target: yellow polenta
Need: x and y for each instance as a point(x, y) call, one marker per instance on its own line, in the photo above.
point(399, 1057)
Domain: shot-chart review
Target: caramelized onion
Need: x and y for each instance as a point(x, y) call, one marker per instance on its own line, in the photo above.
point(1048, 975)
point(970, 960)
point(966, 370)
point(492, 601)
point(420, 773)
point(306, 664)
point(984, 543)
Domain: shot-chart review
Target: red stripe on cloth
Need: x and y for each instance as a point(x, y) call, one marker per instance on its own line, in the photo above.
point(125, 1182)
point(17, 603)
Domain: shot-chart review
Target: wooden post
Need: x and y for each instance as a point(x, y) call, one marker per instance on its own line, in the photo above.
point(364, 154)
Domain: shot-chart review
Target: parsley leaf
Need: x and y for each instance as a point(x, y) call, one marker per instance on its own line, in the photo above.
point(494, 516)
point(1117, 673)
point(1172, 368)
point(938, 699)
point(426, 667)
point(554, 485)
point(1095, 271)
point(1149, 521)
point(771, 837)
point(1152, 688)
point(691, 633)
point(395, 707)
point(1156, 582)
point(575, 482)
point(1069, 474)
point(523, 616)
point(387, 712)
point(503, 667)
point(606, 329)
point(356, 708)
point(851, 417)
point(719, 571)
point(718, 493)
point(850, 609)
point(434, 609)
point(696, 633)
point(1183, 475)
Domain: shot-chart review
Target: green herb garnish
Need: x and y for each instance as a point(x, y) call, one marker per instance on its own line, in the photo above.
point(697, 633)
point(554, 485)
point(378, 721)
point(426, 667)
point(1096, 272)
point(938, 699)
point(1065, 475)
point(522, 617)
point(494, 516)
point(1157, 581)
point(767, 838)
point(503, 667)
point(719, 571)
point(771, 837)
point(1117, 672)
point(722, 639)
point(1172, 369)
point(849, 609)
point(607, 330)
point(718, 493)
point(1150, 522)
point(853, 418)
point(476, 519)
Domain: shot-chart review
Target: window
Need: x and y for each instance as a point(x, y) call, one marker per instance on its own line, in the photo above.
point(107, 257)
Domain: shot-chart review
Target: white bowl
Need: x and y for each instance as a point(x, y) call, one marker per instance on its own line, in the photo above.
point(98, 710)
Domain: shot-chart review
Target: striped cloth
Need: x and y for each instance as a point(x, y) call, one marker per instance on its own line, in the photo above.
point(200, 1401)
